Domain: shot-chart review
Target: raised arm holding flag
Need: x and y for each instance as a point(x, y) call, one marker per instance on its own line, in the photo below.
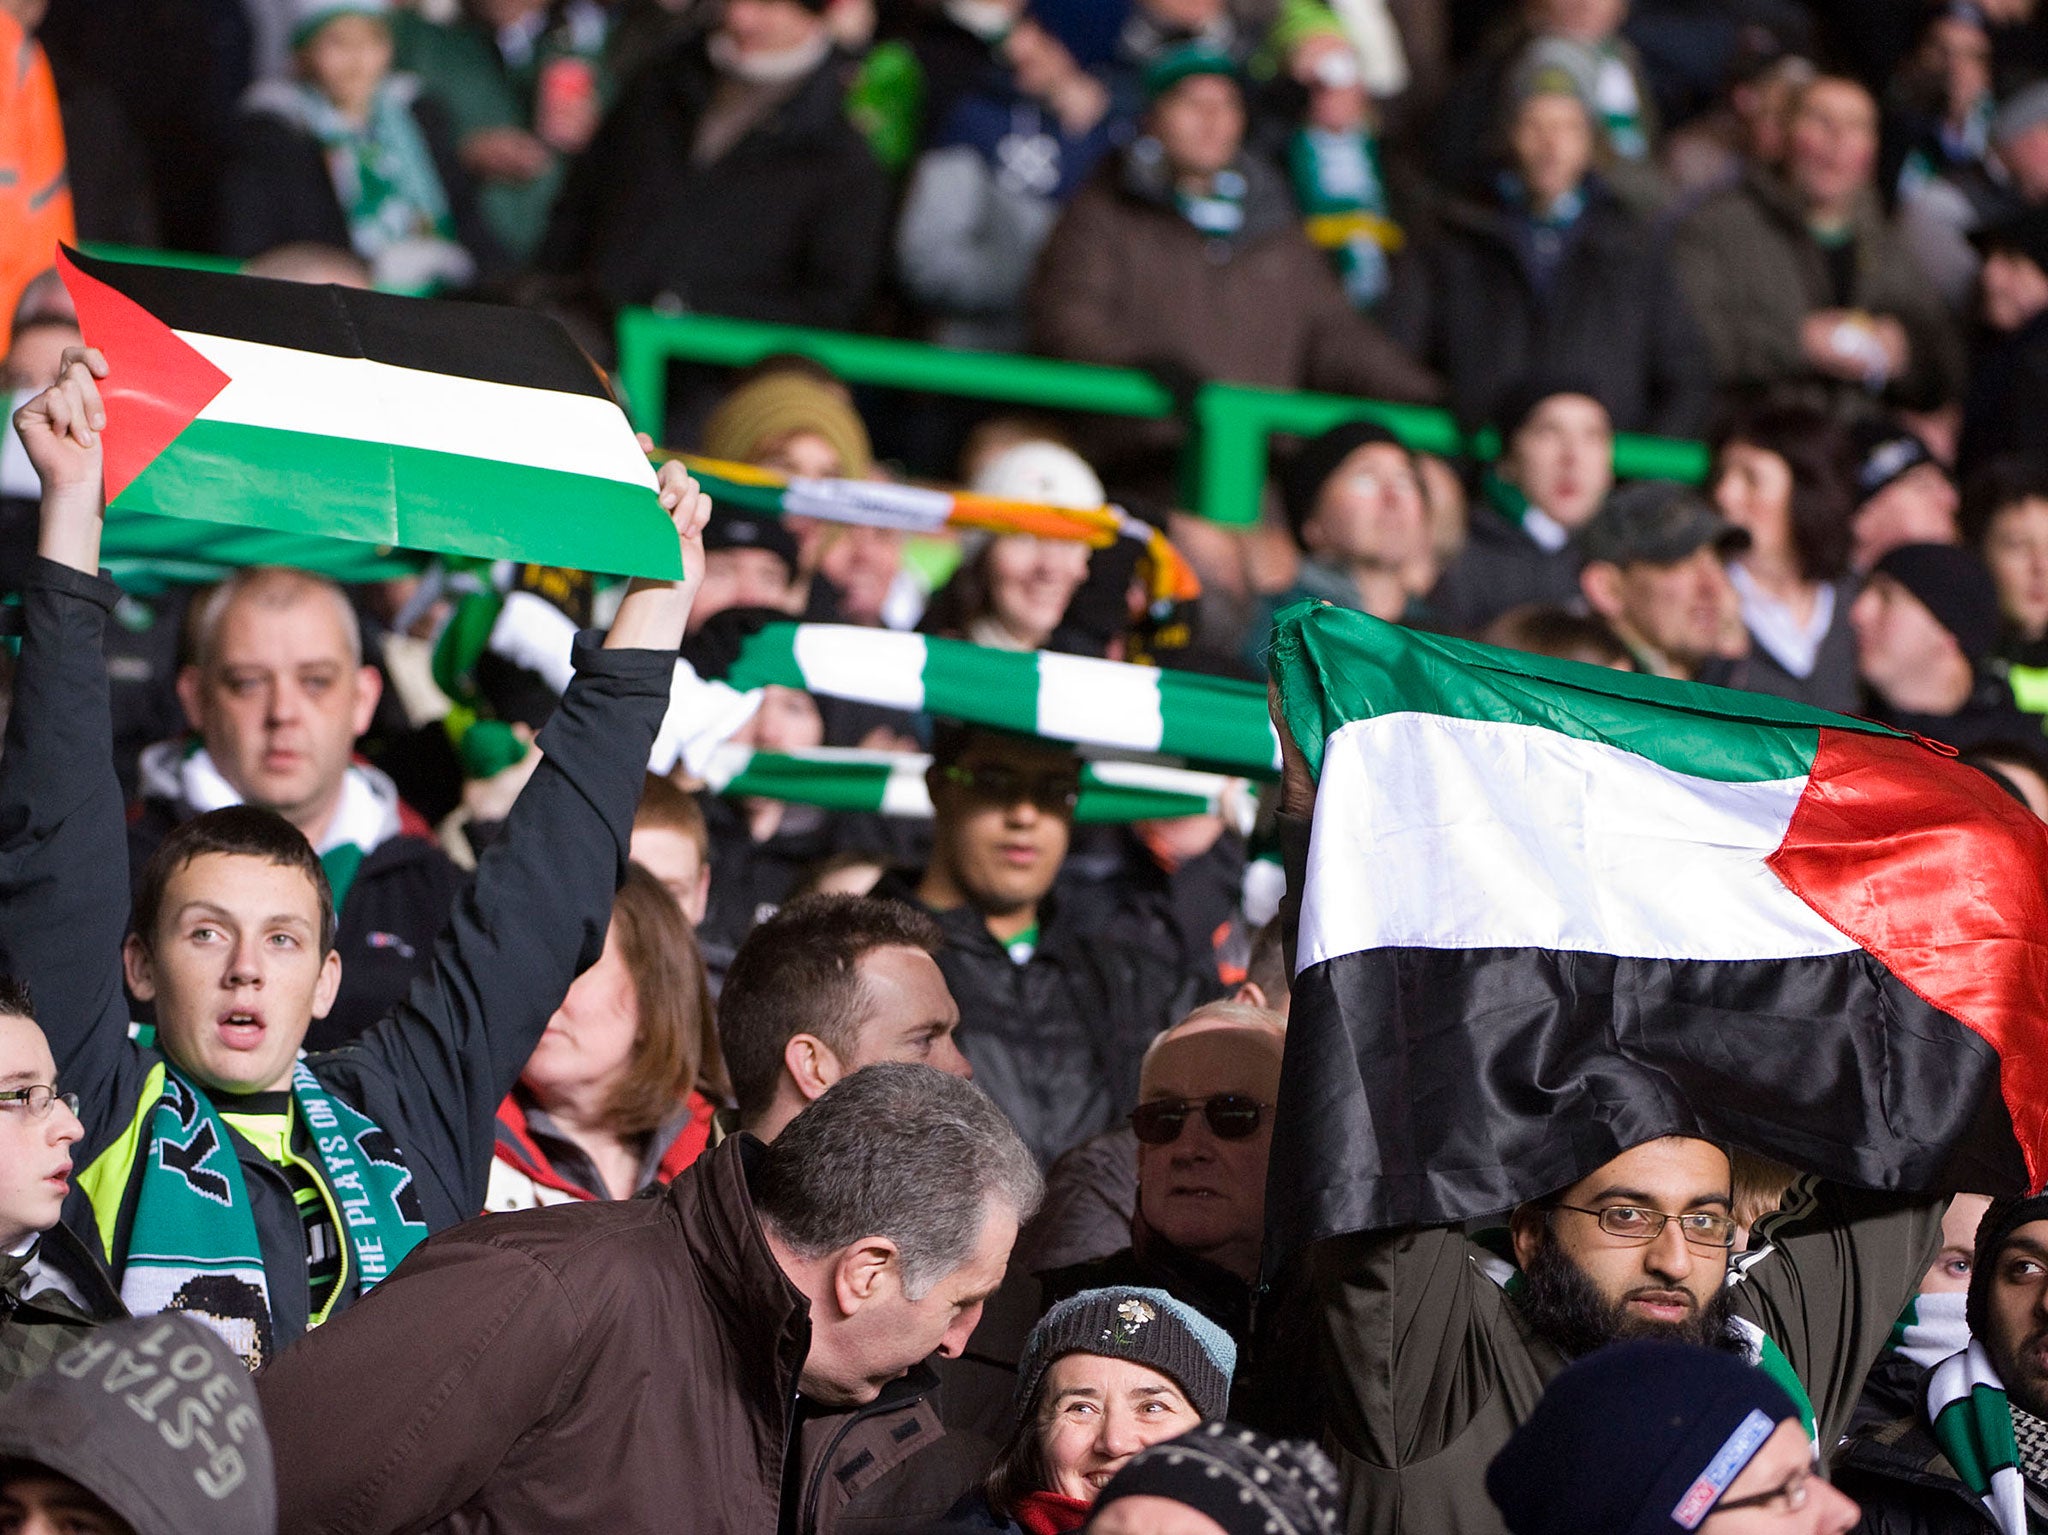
point(1562, 937)
point(222, 1173)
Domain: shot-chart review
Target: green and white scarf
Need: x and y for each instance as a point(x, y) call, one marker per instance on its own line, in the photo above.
point(1933, 1326)
point(893, 784)
point(383, 173)
point(1338, 183)
point(365, 818)
point(193, 1246)
point(1973, 1425)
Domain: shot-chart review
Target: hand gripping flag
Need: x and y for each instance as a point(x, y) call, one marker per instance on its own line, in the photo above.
point(1553, 910)
point(408, 423)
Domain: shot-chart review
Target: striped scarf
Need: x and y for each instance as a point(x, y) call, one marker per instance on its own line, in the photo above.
point(1973, 1424)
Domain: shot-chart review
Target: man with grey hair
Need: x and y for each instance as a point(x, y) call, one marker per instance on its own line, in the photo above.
point(276, 692)
point(745, 1353)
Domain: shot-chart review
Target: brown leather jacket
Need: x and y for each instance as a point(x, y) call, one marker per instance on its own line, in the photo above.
point(626, 1365)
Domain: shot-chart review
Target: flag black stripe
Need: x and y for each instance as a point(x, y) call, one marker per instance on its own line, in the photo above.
point(488, 342)
point(1429, 1086)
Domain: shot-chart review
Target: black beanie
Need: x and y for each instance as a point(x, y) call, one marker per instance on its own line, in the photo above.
point(1638, 1438)
point(101, 1415)
point(2001, 1220)
point(1511, 412)
point(1249, 1484)
point(1955, 587)
point(1317, 459)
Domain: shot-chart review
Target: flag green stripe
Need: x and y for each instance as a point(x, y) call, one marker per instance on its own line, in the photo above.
point(1334, 666)
point(412, 498)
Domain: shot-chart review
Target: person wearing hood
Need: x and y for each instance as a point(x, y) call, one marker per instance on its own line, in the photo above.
point(1796, 275)
point(276, 693)
point(1552, 272)
point(351, 155)
point(740, 129)
point(1185, 255)
point(1971, 1453)
point(147, 1427)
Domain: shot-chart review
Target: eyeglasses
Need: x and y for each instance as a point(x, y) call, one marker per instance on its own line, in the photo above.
point(1632, 1223)
point(1788, 1497)
point(1055, 793)
point(1231, 1117)
point(39, 1099)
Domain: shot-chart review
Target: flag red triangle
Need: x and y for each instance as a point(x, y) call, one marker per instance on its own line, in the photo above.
point(155, 384)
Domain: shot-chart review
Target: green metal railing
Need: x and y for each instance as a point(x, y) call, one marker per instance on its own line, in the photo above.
point(1233, 422)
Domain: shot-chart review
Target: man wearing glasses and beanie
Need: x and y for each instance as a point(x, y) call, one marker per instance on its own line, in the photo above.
point(1055, 1014)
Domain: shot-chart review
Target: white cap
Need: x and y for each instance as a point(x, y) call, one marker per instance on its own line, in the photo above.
point(1043, 473)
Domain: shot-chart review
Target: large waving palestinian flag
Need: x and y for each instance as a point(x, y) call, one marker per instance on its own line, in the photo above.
point(1553, 910)
point(409, 423)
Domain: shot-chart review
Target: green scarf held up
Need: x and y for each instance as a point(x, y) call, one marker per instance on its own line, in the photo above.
point(194, 1247)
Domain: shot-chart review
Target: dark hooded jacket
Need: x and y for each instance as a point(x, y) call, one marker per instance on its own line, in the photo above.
point(157, 1418)
point(1905, 1485)
point(527, 1364)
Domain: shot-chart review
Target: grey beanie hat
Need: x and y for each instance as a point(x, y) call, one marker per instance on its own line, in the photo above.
point(1146, 1326)
point(157, 1418)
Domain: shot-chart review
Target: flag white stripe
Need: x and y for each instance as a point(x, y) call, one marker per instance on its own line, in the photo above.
point(1443, 833)
point(352, 397)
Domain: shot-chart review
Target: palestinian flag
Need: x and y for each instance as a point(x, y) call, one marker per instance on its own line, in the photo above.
point(1553, 910)
point(1209, 722)
point(406, 423)
point(893, 783)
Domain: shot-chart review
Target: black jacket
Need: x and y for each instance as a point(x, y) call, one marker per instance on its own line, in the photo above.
point(1611, 317)
point(1905, 1486)
point(2002, 410)
point(395, 908)
point(1988, 715)
point(277, 190)
point(789, 224)
point(1502, 567)
point(433, 1072)
point(1056, 1041)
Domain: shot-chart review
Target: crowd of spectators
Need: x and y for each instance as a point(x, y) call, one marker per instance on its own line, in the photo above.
point(567, 1143)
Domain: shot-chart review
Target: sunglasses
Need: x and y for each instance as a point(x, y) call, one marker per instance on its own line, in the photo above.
point(1056, 793)
point(1231, 1117)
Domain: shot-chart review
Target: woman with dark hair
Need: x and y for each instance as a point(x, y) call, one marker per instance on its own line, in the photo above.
point(1780, 475)
point(1104, 1374)
point(619, 1093)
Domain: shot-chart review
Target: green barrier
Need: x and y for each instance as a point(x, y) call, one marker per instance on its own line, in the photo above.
point(1227, 450)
